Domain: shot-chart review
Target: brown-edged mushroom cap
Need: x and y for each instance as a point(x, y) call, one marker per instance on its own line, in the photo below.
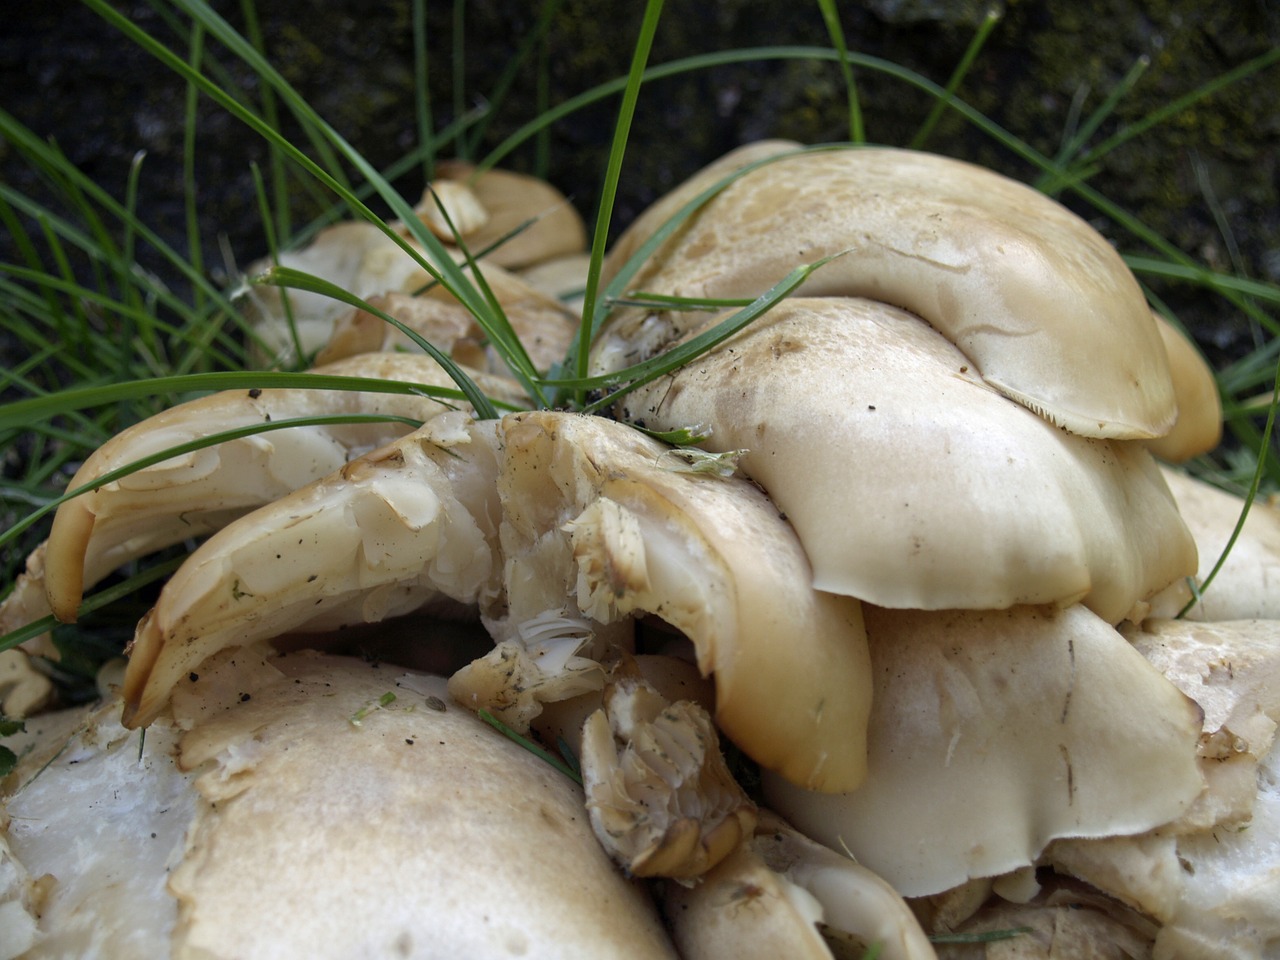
point(1198, 428)
point(707, 554)
point(340, 809)
point(1025, 725)
point(1040, 303)
point(910, 481)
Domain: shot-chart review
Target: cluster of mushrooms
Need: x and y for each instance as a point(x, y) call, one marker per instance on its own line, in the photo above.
point(923, 573)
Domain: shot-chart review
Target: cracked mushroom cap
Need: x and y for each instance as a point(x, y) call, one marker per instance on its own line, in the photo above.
point(707, 554)
point(338, 810)
point(390, 532)
point(1040, 303)
point(993, 733)
point(910, 481)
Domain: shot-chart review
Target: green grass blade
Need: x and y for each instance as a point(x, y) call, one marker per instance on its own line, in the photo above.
point(957, 77)
point(831, 17)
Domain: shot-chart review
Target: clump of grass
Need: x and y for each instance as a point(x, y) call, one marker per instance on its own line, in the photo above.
point(76, 289)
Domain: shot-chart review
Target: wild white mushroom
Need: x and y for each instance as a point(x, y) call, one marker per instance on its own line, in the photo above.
point(947, 494)
point(1041, 304)
point(335, 809)
point(1024, 725)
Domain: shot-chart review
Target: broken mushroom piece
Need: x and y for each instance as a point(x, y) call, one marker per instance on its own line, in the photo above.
point(337, 809)
point(660, 795)
point(388, 533)
point(782, 895)
point(1041, 304)
point(993, 733)
point(948, 496)
point(597, 512)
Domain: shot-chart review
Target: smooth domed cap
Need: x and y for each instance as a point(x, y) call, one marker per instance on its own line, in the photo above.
point(1198, 428)
point(910, 481)
point(1040, 303)
point(1028, 725)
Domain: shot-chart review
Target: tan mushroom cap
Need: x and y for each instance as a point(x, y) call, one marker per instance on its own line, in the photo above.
point(1025, 725)
point(418, 833)
point(1198, 428)
point(543, 324)
point(195, 493)
point(1248, 585)
point(1042, 305)
point(387, 534)
point(711, 557)
point(911, 482)
point(510, 199)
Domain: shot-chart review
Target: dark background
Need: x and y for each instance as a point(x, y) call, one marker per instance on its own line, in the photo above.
point(68, 76)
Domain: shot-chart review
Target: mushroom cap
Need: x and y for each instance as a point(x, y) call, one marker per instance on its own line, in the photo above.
point(1040, 303)
point(910, 481)
point(710, 556)
point(387, 534)
point(510, 199)
point(418, 832)
point(993, 733)
point(544, 326)
point(1245, 587)
point(192, 494)
point(1198, 428)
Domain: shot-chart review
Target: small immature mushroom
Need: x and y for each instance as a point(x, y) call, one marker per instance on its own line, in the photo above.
point(1041, 305)
point(24, 690)
point(338, 809)
point(948, 495)
point(1026, 725)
